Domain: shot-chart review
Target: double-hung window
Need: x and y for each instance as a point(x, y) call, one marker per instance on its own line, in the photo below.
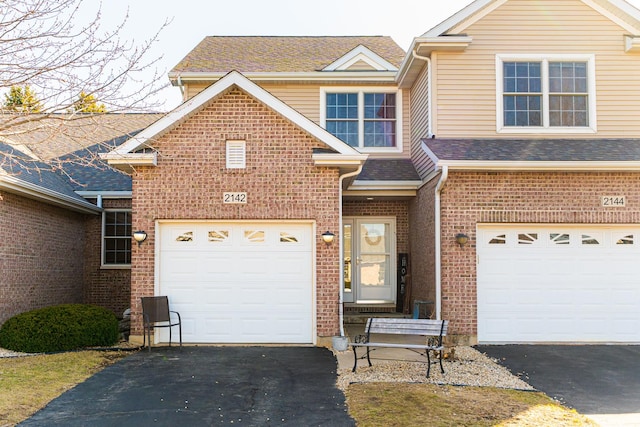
point(364, 119)
point(553, 94)
point(116, 238)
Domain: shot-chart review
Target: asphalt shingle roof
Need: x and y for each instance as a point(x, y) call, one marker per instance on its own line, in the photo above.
point(542, 150)
point(388, 170)
point(17, 165)
point(55, 136)
point(248, 54)
point(67, 152)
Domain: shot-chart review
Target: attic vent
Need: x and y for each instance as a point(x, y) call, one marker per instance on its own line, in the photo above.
point(236, 155)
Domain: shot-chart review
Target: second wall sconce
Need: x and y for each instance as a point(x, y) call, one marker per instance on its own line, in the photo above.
point(328, 237)
point(462, 239)
point(139, 236)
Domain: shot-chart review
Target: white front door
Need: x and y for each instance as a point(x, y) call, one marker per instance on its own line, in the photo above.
point(370, 258)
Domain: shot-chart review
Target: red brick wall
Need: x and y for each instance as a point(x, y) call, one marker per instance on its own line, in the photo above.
point(525, 197)
point(107, 287)
point(280, 179)
point(41, 255)
point(422, 259)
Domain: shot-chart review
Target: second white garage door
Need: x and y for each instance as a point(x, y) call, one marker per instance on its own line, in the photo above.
point(558, 283)
point(239, 282)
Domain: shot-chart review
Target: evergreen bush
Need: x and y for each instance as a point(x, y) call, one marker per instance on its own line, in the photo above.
point(60, 328)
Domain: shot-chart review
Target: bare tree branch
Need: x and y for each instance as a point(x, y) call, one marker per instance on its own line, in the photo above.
point(46, 45)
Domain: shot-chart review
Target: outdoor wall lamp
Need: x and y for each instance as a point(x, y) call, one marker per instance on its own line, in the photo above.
point(462, 239)
point(139, 236)
point(328, 237)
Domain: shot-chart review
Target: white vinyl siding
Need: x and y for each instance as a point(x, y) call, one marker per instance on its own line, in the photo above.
point(465, 82)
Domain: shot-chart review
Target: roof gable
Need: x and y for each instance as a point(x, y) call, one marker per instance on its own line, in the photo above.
point(361, 54)
point(618, 11)
point(128, 154)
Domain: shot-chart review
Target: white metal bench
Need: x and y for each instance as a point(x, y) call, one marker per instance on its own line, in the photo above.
point(432, 330)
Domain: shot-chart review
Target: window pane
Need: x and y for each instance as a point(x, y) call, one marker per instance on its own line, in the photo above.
point(347, 131)
point(379, 133)
point(522, 77)
point(509, 118)
point(568, 77)
point(342, 106)
point(379, 105)
point(522, 110)
point(568, 110)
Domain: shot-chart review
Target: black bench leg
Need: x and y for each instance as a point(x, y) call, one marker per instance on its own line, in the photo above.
point(441, 357)
point(355, 359)
point(428, 364)
point(368, 359)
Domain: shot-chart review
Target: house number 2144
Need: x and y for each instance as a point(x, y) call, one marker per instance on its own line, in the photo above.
point(613, 201)
point(234, 197)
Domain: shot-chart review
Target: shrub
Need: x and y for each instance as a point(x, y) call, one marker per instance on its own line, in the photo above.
point(60, 328)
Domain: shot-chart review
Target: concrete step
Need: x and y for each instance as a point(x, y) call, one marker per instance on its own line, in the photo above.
point(361, 318)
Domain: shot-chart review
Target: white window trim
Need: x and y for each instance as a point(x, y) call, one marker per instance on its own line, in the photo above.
point(361, 90)
point(236, 161)
point(545, 128)
point(104, 266)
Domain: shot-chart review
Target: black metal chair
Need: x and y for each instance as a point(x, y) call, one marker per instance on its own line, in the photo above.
point(156, 310)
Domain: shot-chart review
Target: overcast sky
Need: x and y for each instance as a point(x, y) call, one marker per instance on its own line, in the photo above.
point(192, 20)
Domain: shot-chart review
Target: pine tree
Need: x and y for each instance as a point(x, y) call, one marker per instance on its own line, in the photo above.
point(87, 103)
point(22, 99)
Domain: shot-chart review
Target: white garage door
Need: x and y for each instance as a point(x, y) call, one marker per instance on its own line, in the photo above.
point(239, 282)
point(558, 284)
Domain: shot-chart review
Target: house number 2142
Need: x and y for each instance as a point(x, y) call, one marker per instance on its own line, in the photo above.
point(234, 197)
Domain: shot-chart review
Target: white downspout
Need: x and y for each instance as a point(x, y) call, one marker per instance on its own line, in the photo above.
point(340, 248)
point(428, 61)
point(439, 188)
point(181, 86)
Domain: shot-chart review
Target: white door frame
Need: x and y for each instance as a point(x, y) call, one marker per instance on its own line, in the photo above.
point(354, 295)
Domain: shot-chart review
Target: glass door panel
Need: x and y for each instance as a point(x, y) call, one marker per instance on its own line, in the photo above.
point(347, 256)
point(375, 281)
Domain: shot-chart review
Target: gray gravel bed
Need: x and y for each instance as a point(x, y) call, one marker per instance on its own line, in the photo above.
point(8, 353)
point(469, 367)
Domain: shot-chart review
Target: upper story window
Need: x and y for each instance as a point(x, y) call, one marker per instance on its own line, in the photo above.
point(364, 119)
point(550, 94)
point(116, 238)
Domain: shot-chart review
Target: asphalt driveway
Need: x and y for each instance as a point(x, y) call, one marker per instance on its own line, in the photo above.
point(204, 386)
point(593, 379)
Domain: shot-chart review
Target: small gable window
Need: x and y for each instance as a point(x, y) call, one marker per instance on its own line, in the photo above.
point(553, 94)
point(236, 154)
point(363, 119)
